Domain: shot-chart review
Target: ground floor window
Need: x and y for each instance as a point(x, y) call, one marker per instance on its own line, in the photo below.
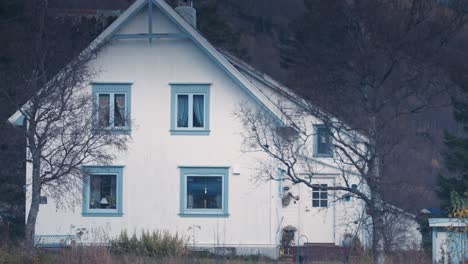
point(102, 190)
point(204, 191)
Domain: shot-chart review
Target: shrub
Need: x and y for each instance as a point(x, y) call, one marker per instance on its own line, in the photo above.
point(154, 244)
point(287, 236)
point(12, 254)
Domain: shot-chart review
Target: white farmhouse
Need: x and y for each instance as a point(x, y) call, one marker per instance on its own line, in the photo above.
point(185, 170)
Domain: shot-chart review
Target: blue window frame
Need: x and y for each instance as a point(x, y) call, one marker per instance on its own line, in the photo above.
point(102, 190)
point(204, 191)
point(112, 106)
point(190, 109)
point(323, 146)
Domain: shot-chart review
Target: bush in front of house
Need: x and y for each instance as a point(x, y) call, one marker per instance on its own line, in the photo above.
point(154, 244)
point(287, 236)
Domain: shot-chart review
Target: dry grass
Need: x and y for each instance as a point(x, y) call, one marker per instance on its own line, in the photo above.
point(400, 257)
point(103, 255)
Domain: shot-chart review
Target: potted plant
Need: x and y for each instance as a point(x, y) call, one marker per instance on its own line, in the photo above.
point(287, 238)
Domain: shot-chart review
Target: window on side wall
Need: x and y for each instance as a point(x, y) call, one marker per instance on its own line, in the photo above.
point(323, 146)
point(204, 191)
point(102, 191)
point(190, 114)
point(112, 106)
point(319, 195)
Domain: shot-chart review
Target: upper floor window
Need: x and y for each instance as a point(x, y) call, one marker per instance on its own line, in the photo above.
point(112, 105)
point(190, 114)
point(323, 146)
point(204, 191)
point(102, 191)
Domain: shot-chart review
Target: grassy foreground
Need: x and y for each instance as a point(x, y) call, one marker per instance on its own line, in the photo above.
point(104, 255)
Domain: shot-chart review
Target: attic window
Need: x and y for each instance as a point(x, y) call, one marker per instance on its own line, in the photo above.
point(112, 106)
point(190, 114)
point(190, 110)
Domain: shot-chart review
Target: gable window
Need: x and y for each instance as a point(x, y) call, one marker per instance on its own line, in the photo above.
point(112, 106)
point(102, 191)
point(204, 191)
point(319, 196)
point(190, 109)
point(323, 146)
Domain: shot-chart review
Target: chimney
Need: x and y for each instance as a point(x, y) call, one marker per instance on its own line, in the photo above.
point(186, 10)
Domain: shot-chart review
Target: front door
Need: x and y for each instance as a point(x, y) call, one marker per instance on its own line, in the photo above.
point(317, 211)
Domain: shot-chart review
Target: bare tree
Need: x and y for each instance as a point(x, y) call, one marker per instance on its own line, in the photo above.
point(60, 130)
point(372, 63)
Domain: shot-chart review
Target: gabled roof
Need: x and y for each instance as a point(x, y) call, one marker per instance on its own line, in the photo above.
point(199, 40)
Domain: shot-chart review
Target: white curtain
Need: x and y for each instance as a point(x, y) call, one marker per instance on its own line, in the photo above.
point(182, 111)
point(198, 111)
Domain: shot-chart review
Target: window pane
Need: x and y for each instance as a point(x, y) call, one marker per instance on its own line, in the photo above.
point(204, 192)
point(323, 203)
point(315, 203)
point(119, 110)
point(103, 111)
point(198, 110)
point(102, 192)
point(315, 195)
point(182, 110)
point(323, 195)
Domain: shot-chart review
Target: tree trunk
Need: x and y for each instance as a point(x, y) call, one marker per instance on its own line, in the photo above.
point(377, 215)
point(378, 246)
point(377, 209)
point(377, 203)
point(30, 229)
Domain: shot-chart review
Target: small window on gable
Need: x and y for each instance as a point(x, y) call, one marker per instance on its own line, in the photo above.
point(190, 109)
point(319, 195)
point(323, 146)
point(112, 106)
point(102, 191)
